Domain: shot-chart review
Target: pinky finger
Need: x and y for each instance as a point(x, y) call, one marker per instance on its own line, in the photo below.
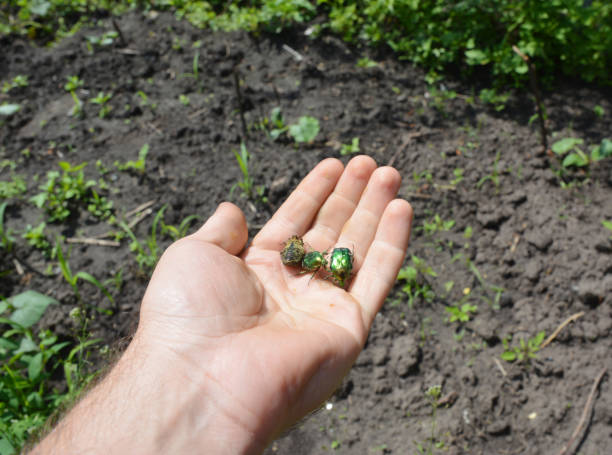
point(384, 259)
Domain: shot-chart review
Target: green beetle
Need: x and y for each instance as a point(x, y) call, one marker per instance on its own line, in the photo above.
point(341, 265)
point(313, 261)
point(293, 252)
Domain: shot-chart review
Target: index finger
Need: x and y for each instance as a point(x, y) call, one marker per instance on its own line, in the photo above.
point(297, 213)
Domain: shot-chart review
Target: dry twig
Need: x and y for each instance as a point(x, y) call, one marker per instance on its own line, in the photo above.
point(92, 241)
point(588, 407)
point(572, 318)
point(500, 366)
point(140, 208)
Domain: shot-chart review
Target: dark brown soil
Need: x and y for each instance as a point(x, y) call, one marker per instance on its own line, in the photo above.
point(538, 252)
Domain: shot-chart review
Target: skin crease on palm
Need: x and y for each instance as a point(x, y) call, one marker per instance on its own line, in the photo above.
point(262, 345)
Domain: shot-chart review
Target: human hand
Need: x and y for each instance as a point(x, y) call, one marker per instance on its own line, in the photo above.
point(233, 347)
point(271, 345)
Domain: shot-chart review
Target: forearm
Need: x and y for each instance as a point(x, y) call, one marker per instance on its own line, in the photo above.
point(142, 407)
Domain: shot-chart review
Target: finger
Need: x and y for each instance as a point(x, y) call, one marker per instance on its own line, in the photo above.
point(225, 228)
point(341, 204)
point(297, 212)
point(359, 230)
point(384, 259)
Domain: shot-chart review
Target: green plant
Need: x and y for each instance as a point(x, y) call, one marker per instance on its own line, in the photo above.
point(102, 100)
point(524, 351)
point(458, 173)
point(73, 84)
point(137, 166)
point(599, 111)
point(6, 239)
point(18, 81)
point(366, 62)
point(195, 67)
point(146, 259)
point(305, 130)
point(605, 223)
point(179, 232)
point(63, 192)
point(577, 158)
point(493, 176)
point(491, 96)
point(36, 237)
point(184, 99)
point(432, 394)
point(106, 39)
point(246, 184)
point(461, 313)
point(73, 279)
point(15, 187)
point(415, 281)
point(351, 148)
point(29, 362)
point(436, 224)
point(8, 109)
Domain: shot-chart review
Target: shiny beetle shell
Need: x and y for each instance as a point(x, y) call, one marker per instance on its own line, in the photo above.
point(341, 265)
point(313, 261)
point(293, 252)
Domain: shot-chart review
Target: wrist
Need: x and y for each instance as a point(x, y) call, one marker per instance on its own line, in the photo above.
point(146, 405)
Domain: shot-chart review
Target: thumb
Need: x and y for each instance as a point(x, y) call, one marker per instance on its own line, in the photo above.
point(226, 228)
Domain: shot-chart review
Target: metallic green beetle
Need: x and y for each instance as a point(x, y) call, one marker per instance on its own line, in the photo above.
point(293, 252)
point(313, 262)
point(341, 265)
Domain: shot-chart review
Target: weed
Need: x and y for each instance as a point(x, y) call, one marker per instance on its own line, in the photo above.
point(8, 109)
point(366, 62)
point(458, 173)
point(599, 111)
point(415, 282)
point(195, 68)
point(29, 362)
point(6, 239)
point(146, 259)
point(524, 351)
point(461, 312)
point(137, 166)
point(577, 158)
point(436, 225)
point(73, 279)
point(73, 84)
point(607, 225)
point(490, 96)
point(63, 192)
point(18, 81)
point(353, 147)
point(106, 39)
point(432, 394)
point(305, 130)
point(179, 232)
point(493, 176)
point(184, 99)
point(102, 100)
point(15, 187)
point(36, 237)
point(246, 184)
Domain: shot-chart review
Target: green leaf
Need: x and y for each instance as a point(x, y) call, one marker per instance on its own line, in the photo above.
point(575, 159)
point(35, 366)
point(30, 306)
point(605, 148)
point(305, 130)
point(607, 224)
point(476, 57)
point(9, 109)
point(508, 356)
point(26, 345)
point(3, 306)
point(39, 7)
point(565, 145)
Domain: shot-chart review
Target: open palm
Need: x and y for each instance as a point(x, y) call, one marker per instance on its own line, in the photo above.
point(269, 343)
